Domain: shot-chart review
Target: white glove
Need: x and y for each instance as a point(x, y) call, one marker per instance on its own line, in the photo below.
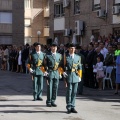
point(31, 70)
point(45, 73)
point(79, 79)
point(65, 74)
point(60, 76)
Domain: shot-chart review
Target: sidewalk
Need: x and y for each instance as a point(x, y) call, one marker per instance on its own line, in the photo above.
point(16, 102)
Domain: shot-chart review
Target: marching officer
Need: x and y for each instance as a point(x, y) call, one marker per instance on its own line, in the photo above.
point(73, 74)
point(34, 65)
point(52, 61)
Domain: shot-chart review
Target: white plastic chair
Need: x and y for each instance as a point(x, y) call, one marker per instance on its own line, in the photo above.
point(108, 76)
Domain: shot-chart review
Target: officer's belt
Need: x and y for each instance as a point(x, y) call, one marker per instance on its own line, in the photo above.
point(72, 70)
point(52, 69)
point(38, 66)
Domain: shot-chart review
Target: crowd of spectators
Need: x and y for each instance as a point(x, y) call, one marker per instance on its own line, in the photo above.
point(14, 58)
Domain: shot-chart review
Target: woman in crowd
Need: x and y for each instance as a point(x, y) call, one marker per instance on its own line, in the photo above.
point(19, 65)
point(117, 69)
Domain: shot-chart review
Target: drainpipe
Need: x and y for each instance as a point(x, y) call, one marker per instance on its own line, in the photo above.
point(106, 7)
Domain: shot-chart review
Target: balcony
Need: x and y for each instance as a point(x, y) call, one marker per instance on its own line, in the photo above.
point(46, 12)
point(5, 28)
point(46, 31)
point(32, 13)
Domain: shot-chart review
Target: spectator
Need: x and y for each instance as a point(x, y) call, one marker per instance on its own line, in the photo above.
point(100, 72)
point(104, 51)
point(117, 70)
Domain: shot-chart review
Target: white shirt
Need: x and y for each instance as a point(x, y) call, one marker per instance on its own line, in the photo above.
point(6, 52)
point(72, 55)
point(54, 53)
point(38, 52)
point(99, 66)
point(104, 51)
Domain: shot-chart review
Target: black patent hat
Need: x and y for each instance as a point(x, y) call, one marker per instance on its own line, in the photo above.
point(54, 44)
point(36, 44)
point(72, 45)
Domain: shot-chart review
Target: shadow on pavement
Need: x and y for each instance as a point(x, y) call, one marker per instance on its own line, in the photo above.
point(21, 84)
point(28, 111)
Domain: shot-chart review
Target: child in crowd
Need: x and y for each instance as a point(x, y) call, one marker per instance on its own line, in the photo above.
point(100, 72)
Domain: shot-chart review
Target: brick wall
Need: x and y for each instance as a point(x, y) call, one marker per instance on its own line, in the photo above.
point(105, 26)
point(18, 22)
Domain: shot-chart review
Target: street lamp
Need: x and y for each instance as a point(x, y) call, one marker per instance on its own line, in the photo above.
point(38, 33)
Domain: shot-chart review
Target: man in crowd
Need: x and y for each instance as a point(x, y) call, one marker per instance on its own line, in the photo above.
point(109, 59)
point(89, 67)
point(25, 55)
point(104, 51)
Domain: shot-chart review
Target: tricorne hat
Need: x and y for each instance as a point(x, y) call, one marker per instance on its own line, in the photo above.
point(72, 45)
point(54, 44)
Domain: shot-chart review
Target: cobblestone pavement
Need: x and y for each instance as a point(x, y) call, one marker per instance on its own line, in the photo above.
point(16, 102)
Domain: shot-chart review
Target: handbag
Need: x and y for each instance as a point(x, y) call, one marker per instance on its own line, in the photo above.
point(100, 74)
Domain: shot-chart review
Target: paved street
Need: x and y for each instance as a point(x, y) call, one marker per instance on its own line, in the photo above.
point(16, 102)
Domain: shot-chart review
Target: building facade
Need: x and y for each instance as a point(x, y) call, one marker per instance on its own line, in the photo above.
point(36, 18)
point(76, 20)
point(11, 22)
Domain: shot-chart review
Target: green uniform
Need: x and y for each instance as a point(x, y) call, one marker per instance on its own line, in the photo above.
point(36, 61)
point(52, 63)
point(72, 66)
point(80, 88)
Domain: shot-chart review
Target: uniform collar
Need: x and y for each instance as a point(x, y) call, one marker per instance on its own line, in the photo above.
point(38, 52)
point(72, 55)
point(53, 53)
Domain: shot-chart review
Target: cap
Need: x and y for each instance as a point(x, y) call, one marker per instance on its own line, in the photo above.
point(54, 44)
point(36, 44)
point(71, 45)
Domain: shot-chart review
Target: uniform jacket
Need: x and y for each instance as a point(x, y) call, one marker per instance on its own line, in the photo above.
point(34, 62)
point(73, 63)
point(52, 63)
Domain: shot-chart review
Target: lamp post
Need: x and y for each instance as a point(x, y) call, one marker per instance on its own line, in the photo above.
point(38, 33)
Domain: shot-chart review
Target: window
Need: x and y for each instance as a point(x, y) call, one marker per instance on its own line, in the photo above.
point(58, 10)
point(27, 3)
point(116, 2)
point(76, 6)
point(6, 40)
point(96, 5)
point(27, 22)
point(5, 17)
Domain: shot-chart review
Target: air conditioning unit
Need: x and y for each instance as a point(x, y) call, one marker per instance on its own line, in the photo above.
point(101, 13)
point(67, 32)
point(79, 27)
point(115, 10)
point(66, 3)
